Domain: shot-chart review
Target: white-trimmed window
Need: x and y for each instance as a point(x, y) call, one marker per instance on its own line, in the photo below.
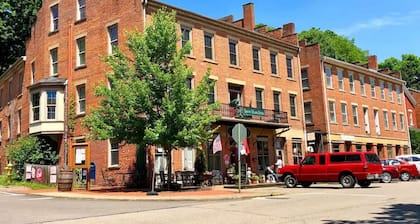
point(51, 104)
point(273, 62)
point(114, 152)
point(208, 45)
point(351, 83)
point(35, 102)
point(81, 51)
point(394, 121)
point(328, 77)
point(307, 106)
point(19, 122)
point(186, 36)
point(293, 108)
point(398, 90)
point(233, 52)
point(362, 85)
point(410, 118)
point(402, 123)
point(377, 125)
point(259, 98)
point(212, 93)
point(305, 78)
point(289, 66)
point(256, 58)
point(331, 106)
point(340, 79)
point(33, 72)
point(112, 38)
point(372, 87)
point(355, 115)
point(344, 113)
point(382, 85)
point(9, 127)
point(366, 119)
point(390, 93)
point(81, 10)
point(81, 99)
point(386, 120)
point(277, 101)
point(54, 18)
point(54, 61)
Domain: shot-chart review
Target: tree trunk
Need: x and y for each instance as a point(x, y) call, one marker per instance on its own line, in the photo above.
point(168, 150)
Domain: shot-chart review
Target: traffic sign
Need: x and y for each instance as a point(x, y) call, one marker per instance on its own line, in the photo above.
point(239, 132)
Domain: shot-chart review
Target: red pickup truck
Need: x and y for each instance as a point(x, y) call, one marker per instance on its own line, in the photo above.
point(347, 168)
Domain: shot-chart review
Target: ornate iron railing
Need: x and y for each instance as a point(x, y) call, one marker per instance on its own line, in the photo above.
point(249, 113)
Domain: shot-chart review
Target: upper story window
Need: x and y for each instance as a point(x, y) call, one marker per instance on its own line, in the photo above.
point(35, 106)
point(386, 120)
point(402, 122)
point(372, 87)
point(208, 45)
point(333, 118)
point(398, 90)
point(305, 78)
point(344, 113)
point(293, 108)
point(9, 126)
point(307, 106)
point(20, 84)
point(11, 90)
point(355, 115)
point(256, 58)
point(289, 66)
point(233, 52)
point(186, 36)
point(113, 153)
point(54, 61)
point(51, 104)
point(190, 83)
point(235, 93)
point(81, 99)
point(277, 101)
point(391, 95)
point(19, 122)
point(351, 83)
point(113, 38)
point(212, 93)
point(410, 118)
point(340, 79)
point(382, 86)
point(54, 18)
point(33, 72)
point(394, 121)
point(362, 85)
point(273, 62)
point(81, 10)
point(259, 97)
point(81, 51)
point(328, 77)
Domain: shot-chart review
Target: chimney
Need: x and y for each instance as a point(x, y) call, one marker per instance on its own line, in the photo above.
point(249, 19)
point(303, 43)
point(276, 33)
point(228, 19)
point(373, 62)
point(288, 29)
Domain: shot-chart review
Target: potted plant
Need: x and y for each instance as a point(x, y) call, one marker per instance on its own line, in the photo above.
point(254, 178)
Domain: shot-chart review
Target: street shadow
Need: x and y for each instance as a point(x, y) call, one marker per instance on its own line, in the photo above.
point(395, 213)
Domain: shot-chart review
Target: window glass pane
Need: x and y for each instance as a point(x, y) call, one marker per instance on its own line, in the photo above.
point(305, 78)
point(273, 62)
point(232, 52)
point(289, 65)
point(54, 18)
point(292, 99)
point(208, 46)
point(113, 37)
point(256, 58)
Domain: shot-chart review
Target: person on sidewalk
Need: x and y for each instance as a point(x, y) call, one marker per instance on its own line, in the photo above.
point(278, 164)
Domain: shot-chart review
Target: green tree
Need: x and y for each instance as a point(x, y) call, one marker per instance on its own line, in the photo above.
point(409, 66)
point(29, 149)
point(415, 140)
point(149, 101)
point(16, 19)
point(335, 46)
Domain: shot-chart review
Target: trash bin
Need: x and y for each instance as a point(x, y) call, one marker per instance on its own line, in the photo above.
point(92, 172)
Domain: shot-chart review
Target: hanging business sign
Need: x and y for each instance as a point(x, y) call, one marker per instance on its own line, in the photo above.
point(249, 111)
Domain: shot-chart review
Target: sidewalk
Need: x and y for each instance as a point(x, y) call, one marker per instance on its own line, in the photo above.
point(211, 193)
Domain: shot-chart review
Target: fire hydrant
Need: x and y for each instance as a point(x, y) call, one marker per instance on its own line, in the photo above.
point(9, 169)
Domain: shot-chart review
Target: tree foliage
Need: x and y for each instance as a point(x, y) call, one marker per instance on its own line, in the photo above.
point(409, 66)
point(334, 45)
point(415, 140)
point(149, 101)
point(29, 149)
point(16, 19)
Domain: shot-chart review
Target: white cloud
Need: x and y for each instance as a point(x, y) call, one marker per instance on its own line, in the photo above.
point(393, 19)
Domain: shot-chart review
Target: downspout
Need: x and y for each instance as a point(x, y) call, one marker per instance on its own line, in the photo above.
point(144, 4)
point(326, 105)
point(303, 106)
point(407, 126)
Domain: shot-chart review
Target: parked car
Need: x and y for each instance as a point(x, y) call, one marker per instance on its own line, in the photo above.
point(411, 159)
point(347, 168)
point(395, 168)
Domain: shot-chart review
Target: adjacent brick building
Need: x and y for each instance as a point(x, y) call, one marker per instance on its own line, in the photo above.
point(357, 107)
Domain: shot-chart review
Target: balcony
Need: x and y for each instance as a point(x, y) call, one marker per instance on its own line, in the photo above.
point(252, 116)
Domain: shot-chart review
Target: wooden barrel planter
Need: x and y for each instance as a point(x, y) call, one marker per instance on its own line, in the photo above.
point(65, 179)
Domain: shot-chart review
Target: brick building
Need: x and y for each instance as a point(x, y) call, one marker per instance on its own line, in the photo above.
point(360, 108)
point(413, 107)
point(259, 68)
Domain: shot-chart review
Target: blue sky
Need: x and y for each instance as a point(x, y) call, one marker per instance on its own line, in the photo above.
point(386, 28)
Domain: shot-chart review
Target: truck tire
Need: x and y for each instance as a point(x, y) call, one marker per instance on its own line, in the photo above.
point(290, 181)
point(364, 183)
point(347, 181)
point(386, 177)
point(405, 176)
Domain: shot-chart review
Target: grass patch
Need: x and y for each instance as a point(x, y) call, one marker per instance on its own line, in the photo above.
point(31, 185)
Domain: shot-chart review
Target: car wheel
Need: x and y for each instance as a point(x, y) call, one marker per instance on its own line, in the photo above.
point(347, 181)
point(405, 176)
point(306, 184)
point(364, 183)
point(386, 177)
point(290, 181)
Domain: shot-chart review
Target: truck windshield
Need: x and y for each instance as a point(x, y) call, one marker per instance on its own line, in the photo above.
point(372, 158)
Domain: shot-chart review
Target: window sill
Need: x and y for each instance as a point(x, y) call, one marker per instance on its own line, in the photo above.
point(190, 56)
point(80, 21)
point(342, 91)
point(210, 61)
point(275, 76)
point(52, 32)
point(80, 67)
point(54, 75)
point(114, 167)
point(291, 79)
point(20, 95)
point(310, 124)
point(235, 67)
point(258, 72)
point(294, 118)
point(333, 122)
point(80, 114)
point(306, 89)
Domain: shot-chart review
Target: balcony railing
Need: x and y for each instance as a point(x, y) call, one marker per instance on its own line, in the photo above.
point(250, 113)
